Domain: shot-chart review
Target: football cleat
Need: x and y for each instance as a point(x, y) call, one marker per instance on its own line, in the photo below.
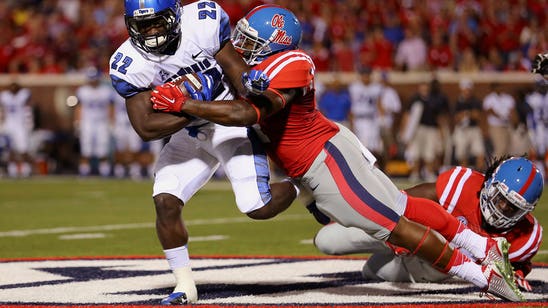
point(175, 298)
point(496, 250)
point(500, 282)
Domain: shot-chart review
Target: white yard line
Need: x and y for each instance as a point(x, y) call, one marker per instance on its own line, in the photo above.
point(144, 225)
point(85, 236)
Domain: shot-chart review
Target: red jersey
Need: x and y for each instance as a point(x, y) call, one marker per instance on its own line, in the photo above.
point(458, 192)
point(297, 133)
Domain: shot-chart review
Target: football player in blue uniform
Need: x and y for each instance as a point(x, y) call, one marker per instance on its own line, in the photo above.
point(167, 41)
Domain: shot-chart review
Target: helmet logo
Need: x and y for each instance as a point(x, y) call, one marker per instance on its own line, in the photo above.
point(281, 36)
point(143, 12)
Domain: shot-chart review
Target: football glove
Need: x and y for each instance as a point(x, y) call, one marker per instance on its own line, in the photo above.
point(255, 81)
point(540, 64)
point(204, 94)
point(521, 282)
point(168, 97)
point(319, 216)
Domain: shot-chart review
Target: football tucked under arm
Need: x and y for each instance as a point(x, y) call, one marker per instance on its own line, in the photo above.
point(171, 96)
point(193, 80)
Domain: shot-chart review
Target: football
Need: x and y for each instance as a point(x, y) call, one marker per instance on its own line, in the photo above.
point(192, 78)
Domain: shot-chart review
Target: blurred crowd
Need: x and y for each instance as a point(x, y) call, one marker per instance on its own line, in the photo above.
point(59, 36)
point(431, 130)
point(342, 36)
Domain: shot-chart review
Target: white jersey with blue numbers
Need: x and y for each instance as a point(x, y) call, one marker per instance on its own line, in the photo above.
point(14, 107)
point(16, 119)
point(192, 155)
point(204, 28)
point(95, 102)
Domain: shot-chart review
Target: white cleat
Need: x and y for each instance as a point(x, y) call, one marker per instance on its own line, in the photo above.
point(496, 250)
point(500, 282)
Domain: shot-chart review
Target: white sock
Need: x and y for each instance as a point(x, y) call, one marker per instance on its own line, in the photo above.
point(104, 168)
point(26, 169)
point(119, 171)
point(471, 242)
point(179, 262)
point(84, 169)
point(13, 169)
point(471, 272)
point(135, 171)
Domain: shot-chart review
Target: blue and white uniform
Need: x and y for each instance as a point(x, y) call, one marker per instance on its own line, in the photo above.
point(17, 119)
point(94, 127)
point(192, 155)
point(365, 110)
point(125, 137)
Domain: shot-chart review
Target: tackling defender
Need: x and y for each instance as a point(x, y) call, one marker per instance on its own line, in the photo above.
point(497, 204)
point(167, 41)
point(328, 158)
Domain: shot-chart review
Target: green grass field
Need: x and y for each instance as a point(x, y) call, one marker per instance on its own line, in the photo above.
point(68, 217)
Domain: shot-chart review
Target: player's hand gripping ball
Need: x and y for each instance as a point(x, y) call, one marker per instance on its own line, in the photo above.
point(171, 96)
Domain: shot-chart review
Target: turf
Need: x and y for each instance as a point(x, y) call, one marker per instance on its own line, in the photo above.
point(68, 217)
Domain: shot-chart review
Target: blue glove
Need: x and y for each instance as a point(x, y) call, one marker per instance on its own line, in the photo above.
point(206, 93)
point(255, 81)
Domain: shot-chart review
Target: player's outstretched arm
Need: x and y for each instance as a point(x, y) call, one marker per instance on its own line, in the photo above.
point(242, 112)
point(150, 124)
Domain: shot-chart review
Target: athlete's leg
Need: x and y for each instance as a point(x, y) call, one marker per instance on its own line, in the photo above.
point(428, 212)
point(335, 239)
point(181, 170)
point(387, 266)
point(283, 195)
point(353, 192)
point(432, 247)
point(247, 168)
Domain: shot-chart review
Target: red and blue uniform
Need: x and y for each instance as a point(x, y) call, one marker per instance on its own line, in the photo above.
point(327, 157)
point(458, 192)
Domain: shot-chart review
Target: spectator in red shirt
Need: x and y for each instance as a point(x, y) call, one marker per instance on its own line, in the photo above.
point(343, 55)
point(321, 57)
point(440, 55)
point(384, 51)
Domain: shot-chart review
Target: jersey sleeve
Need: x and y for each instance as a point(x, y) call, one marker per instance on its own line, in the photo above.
point(129, 72)
point(525, 240)
point(443, 186)
point(210, 26)
point(458, 188)
point(224, 29)
point(292, 69)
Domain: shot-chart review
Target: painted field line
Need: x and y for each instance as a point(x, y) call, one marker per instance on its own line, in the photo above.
point(144, 225)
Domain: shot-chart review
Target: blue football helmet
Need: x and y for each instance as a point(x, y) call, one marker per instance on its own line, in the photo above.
point(512, 191)
point(266, 30)
point(141, 16)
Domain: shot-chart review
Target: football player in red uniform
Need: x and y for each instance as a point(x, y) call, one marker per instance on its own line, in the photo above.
point(329, 160)
point(497, 204)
